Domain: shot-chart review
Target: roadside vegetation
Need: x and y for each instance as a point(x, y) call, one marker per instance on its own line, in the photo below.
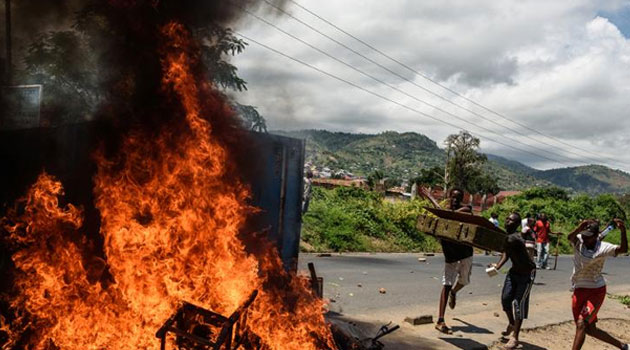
point(348, 219)
point(624, 299)
point(564, 212)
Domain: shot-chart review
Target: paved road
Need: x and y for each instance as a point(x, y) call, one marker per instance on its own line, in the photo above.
point(410, 283)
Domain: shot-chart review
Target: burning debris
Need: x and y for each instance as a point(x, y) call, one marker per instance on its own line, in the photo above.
point(197, 328)
point(172, 217)
point(348, 336)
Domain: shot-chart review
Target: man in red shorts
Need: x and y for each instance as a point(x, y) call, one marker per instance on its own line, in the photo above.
point(589, 286)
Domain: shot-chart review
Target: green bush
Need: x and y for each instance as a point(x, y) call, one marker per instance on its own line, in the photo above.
point(563, 212)
point(353, 219)
point(348, 219)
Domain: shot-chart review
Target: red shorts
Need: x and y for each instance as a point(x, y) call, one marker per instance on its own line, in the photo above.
point(586, 303)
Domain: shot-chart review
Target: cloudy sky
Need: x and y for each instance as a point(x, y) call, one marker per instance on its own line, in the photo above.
point(560, 70)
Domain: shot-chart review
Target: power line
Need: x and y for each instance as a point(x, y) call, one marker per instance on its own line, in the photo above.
point(404, 92)
point(278, 52)
point(431, 80)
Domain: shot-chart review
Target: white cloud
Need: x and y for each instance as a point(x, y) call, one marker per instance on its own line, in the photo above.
point(557, 67)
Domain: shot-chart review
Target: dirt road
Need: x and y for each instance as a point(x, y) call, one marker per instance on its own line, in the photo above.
point(560, 337)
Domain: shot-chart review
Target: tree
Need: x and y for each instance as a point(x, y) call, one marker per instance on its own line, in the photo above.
point(392, 182)
point(62, 63)
point(483, 184)
point(252, 120)
point(463, 161)
point(553, 192)
point(430, 176)
point(374, 179)
point(69, 63)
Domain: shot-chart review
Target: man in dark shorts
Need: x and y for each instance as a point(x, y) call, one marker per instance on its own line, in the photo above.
point(458, 261)
point(589, 286)
point(519, 280)
point(529, 235)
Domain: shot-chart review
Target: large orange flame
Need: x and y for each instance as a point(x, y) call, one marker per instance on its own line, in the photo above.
point(171, 216)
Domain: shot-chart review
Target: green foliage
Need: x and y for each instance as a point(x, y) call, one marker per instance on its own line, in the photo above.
point(219, 43)
point(406, 155)
point(392, 182)
point(74, 67)
point(484, 183)
point(252, 120)
point(374, 179)
point(563, 212)
point(62, 63)
point(396, 155)
point(430, 177)
point(591, 179)
point(353, 219)
point(465, 165)
point(624, 299)
point(546, 192)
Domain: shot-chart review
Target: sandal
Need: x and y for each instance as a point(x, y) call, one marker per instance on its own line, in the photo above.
point(443, 328)
point(512, 343)
point(452, 301)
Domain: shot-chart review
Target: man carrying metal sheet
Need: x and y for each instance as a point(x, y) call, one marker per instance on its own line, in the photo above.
point(458, 261)
point(519, 280)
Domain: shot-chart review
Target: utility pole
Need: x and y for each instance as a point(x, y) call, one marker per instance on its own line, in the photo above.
point(7, 13)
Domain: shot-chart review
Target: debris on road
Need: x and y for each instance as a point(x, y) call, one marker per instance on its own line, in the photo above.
point(416, 321)
point(422, 259)
point(349, 335)
point(382, 291)
point(359, 285)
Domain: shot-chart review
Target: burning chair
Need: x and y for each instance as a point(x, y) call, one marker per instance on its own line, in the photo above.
point(198, 328)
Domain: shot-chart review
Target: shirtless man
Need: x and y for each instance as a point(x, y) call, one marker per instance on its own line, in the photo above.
point(519, 280)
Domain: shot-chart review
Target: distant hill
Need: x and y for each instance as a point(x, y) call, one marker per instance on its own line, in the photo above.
point(513, 175)
point(399, 155)
point(592, 179)
point(402, 155)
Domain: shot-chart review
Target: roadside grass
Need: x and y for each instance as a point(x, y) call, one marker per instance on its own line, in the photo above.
point(624, 299)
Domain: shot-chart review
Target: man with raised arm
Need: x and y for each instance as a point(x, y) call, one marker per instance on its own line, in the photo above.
point(458, 260)
point(519, 280)
point(589, 286)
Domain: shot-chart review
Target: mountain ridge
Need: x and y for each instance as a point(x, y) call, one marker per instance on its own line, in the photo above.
point(402, 155)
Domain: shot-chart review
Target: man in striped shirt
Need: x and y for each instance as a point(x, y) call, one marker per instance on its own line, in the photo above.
point(589, 286)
